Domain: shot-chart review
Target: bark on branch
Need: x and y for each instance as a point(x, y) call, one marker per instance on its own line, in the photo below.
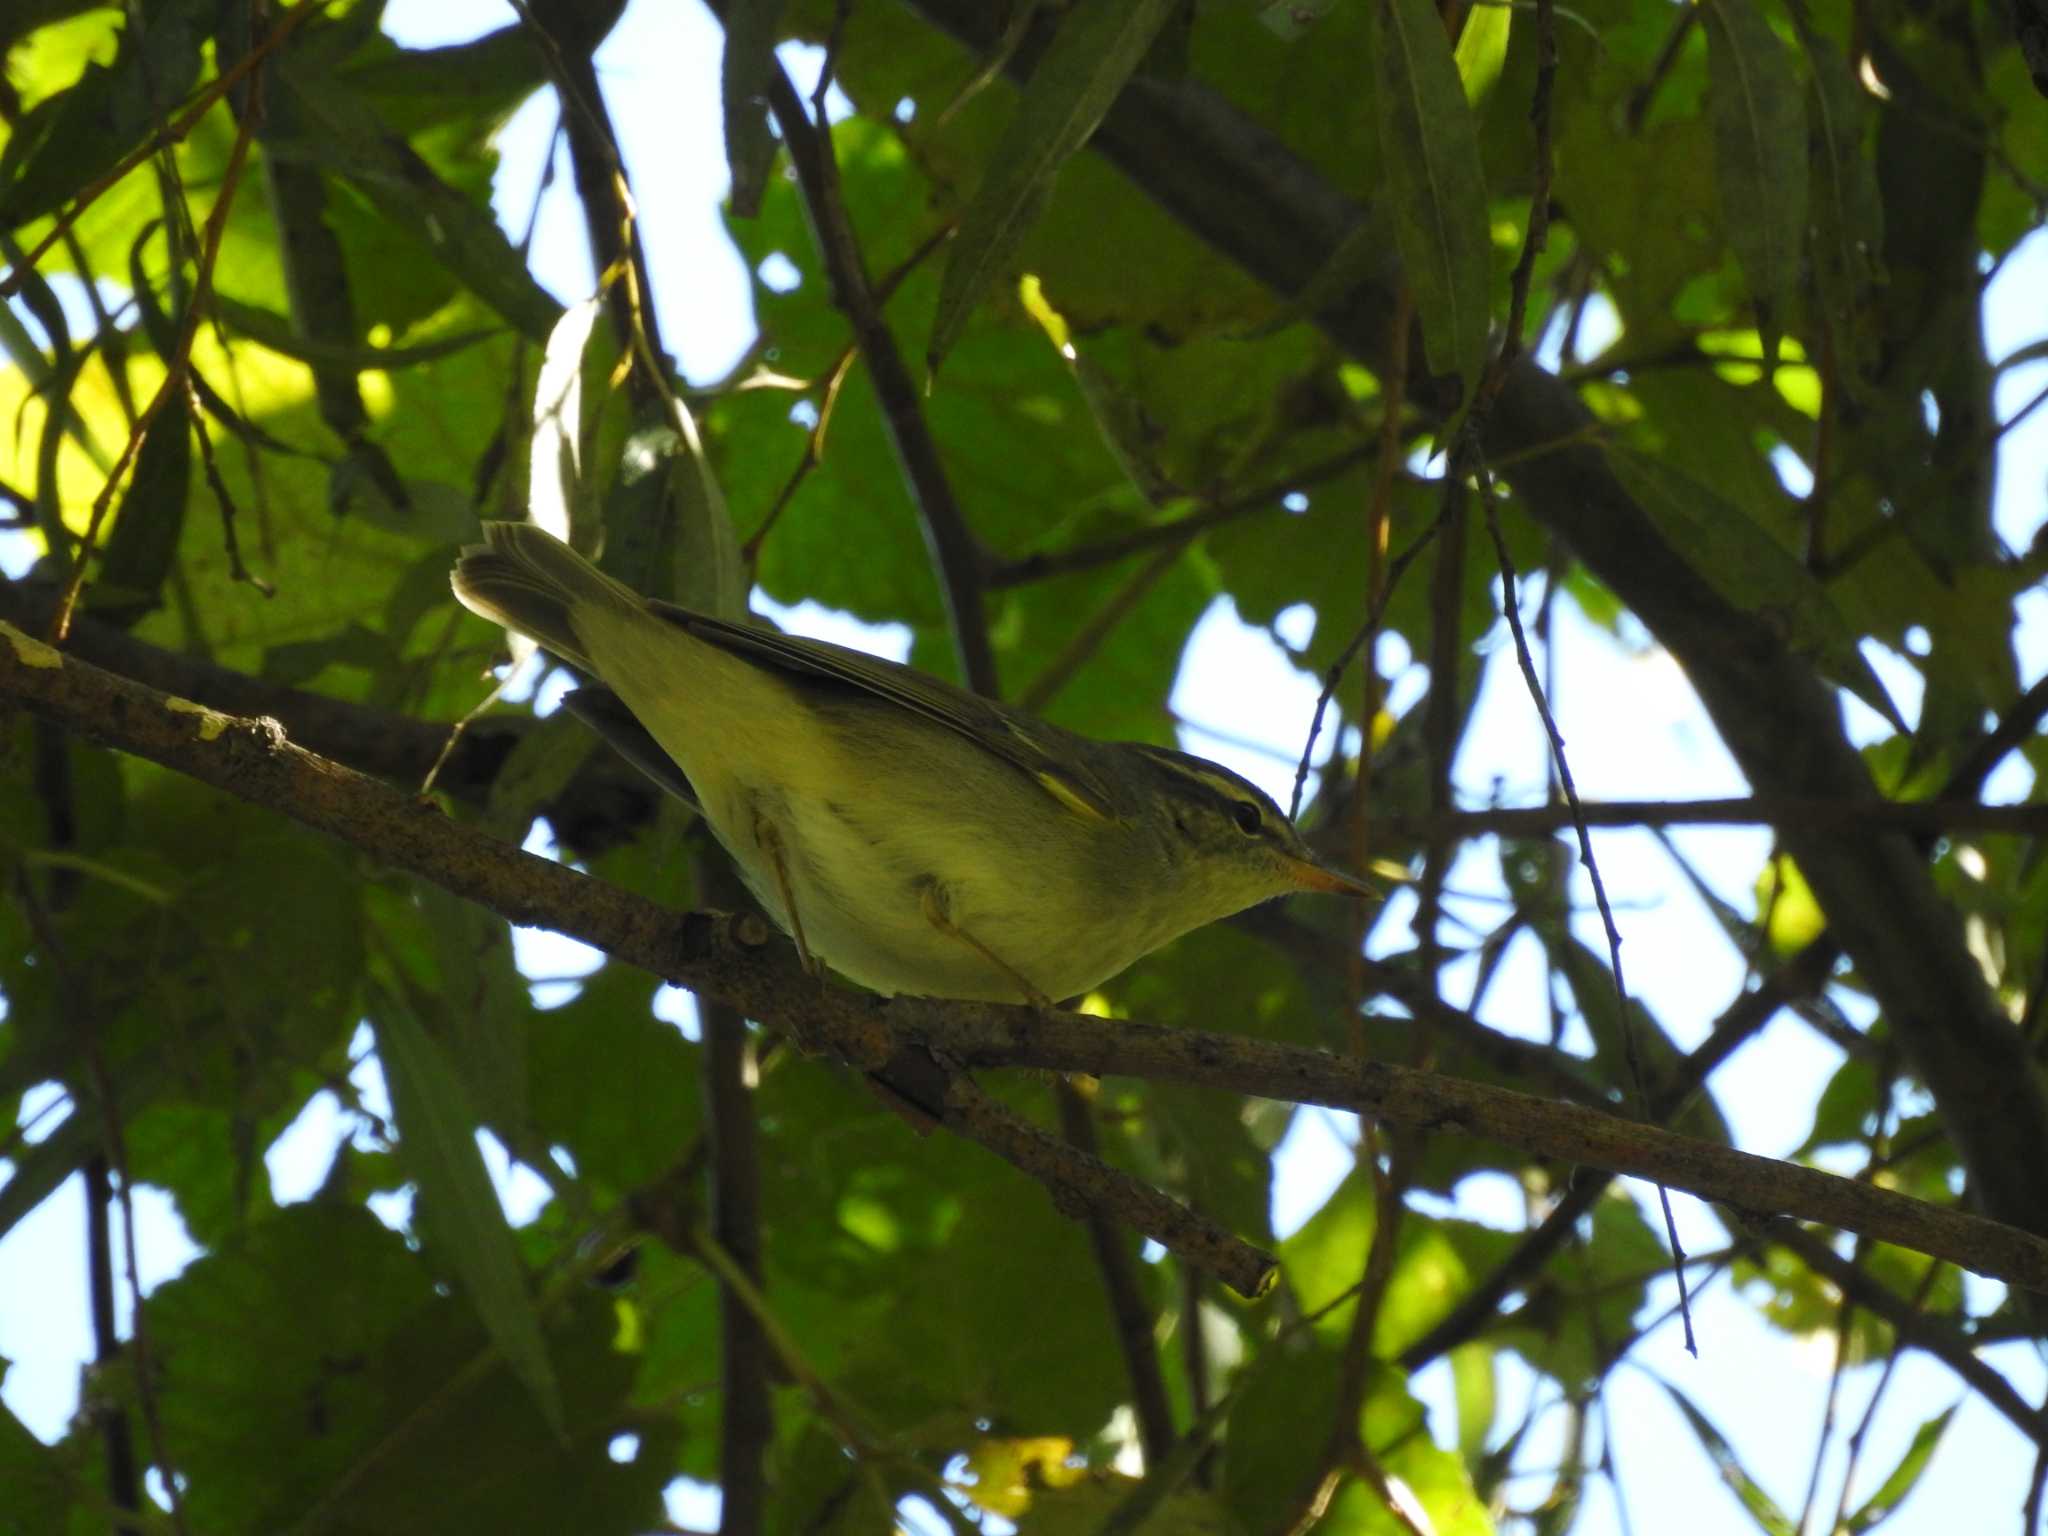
point(916, 1046)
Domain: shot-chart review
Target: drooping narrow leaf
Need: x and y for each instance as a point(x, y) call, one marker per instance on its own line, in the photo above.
point(345, 135)
point(1742, 562)
point(1759, 155)
point(1764, 1510)
point(1429, 147)
point(749, 56)
point(1847, 215)
point(1098, 46)
point(437, 1129)
point(145, 537)
point(1881, 1505)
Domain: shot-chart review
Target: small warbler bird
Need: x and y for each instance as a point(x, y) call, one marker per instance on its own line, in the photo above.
point(914, 836)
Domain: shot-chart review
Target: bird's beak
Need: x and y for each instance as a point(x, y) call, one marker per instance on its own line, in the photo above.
point(1315, 877)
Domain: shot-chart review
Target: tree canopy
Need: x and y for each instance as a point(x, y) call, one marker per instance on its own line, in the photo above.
point(1399, 329)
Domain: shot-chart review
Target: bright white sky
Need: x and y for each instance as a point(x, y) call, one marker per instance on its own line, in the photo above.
point(1632, 727)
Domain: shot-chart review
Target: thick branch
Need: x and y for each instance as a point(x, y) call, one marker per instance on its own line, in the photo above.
point(731, 959)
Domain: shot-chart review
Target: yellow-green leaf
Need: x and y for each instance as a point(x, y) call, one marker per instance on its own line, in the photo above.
point(1098, 46)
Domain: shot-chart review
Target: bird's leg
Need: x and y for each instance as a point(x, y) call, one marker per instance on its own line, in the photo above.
point(770, 839)
point(933, 898)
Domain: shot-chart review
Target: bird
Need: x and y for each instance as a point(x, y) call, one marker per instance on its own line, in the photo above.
point(913, 836)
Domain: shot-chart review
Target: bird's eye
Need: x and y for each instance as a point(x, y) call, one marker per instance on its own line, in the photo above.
point(1247, 817)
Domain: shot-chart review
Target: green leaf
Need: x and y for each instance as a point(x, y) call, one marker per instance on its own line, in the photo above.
point(1759, 156)
point(1884, 1503)
point(1098, 47)
point(1753, 571)
point(41, 1488)
point(1848, 217)
point(750, 31)
point(1473, 1384)
point(1278, 1431)
point(1770, 1519)
point(345, 135)
point(1429, 152)
point(1483, 47)
point(316, 1348)
point(277, 333)
point(67, 140)
point(667, 531)
point(144, 543)
point(438, 1129)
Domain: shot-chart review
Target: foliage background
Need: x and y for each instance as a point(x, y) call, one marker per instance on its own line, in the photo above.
point(223, 996)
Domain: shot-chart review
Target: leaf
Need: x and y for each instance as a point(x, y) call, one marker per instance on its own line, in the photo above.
point(1473, 1385)
point(554, 486)
point(1096, 50)
point(315, 1347)
point(1848, 218)
point(67, 140)
point(1759, 156)
point(667, 532)
point(1429, 151)
point(41, 1488)
point(438, 1128)
point(1762, 1508)
point(1881, 1505)
point(144, 543)
point(344, 134)
point(1752, 570)
point(276, 332)
point(1483, 47)
point(750, 27)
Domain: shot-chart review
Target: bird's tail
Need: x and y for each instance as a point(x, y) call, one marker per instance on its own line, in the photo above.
point(526, 579)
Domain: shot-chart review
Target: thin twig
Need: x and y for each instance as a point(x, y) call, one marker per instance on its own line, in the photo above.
point(835, 377)
point(1395, 571)
point(1929, 817)
point(956, 553)
point(237, 571)
point(1511, 603)
point(1088, 639)
point(1086, 557)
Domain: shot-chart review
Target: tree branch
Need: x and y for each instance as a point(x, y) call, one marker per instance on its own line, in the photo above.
point(726, 958)
point(956, 554)
point(916, 1045)
point(1241, 190)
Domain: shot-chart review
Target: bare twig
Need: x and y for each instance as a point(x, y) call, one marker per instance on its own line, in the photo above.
point(1511, 603)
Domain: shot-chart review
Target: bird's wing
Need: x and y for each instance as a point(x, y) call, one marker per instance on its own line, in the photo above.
point(1018, 739)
